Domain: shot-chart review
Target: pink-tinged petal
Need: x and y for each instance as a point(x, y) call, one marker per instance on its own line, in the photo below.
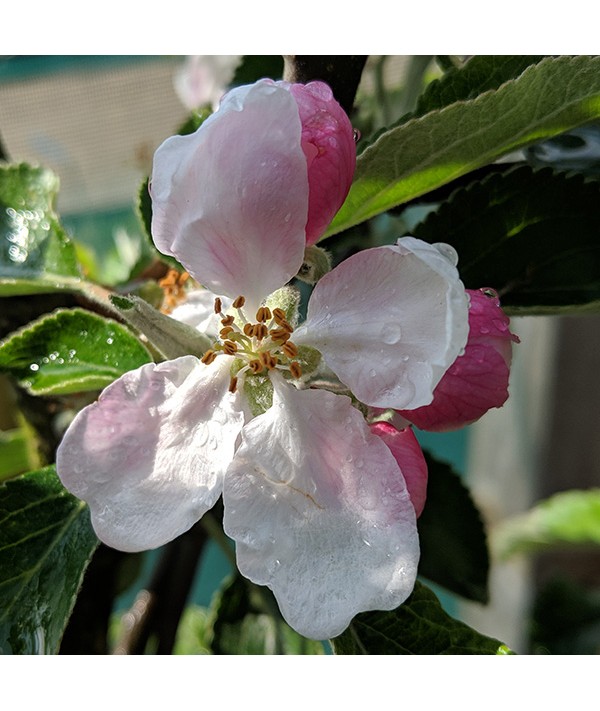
point(408, 454)
point(389, 322)
point(478, 379)
point(320, 512)
point(330, 150)
point(149, 456)
point(230, 201)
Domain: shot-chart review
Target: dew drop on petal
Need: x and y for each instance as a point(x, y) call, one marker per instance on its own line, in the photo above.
point(391, 334)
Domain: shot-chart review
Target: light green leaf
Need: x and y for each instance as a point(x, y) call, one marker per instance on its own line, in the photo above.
point(530, 234)
point(419, 626)
point(69, 351)
point(18, 452)
point(46, 542)
point(571, 518)
point(418, 156)
point(36, 256)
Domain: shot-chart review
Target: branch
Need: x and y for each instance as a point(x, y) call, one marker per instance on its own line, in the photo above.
point(341, 72)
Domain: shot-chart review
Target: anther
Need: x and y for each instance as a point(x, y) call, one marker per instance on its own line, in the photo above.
point(268, 361)
point(239, 302)
point(225, 331)
point(255, 366)
point(230, 347)
point(208, 357)
point(278, 314)
point(295, 369)
point(263, 314)
point(261, 331)
point(228, 320)
point(218, 305)
point(233, 384)
point(250, 329)
point(279, 335)
point(290, 349)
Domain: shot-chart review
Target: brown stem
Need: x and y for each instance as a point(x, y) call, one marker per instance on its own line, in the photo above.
point(341, 72)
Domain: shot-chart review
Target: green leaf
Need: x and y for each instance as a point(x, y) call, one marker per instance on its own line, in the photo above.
point(247, 621)
point(418, 156)
point(419, 626)
point(46, 542)
point(530, 234)
point(453, 542)
point(571, 518)
point(18, 452)
point(480, 73)
point(256, 66)
point(69, 351)
point(36, 256)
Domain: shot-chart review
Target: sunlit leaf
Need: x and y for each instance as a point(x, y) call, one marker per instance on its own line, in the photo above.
point(418, 156)
point(69, 351)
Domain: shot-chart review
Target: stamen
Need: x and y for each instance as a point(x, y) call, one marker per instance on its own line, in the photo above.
point(229, 347)
point(255, 366)
point(295, 369)
point(250, 329)
point(263, 314)
point(290, 349)
point(267, 360)
point(279, 315)
point(218, 305)
point(279, 335)
point(208, 357)
point(233, 384)
point(261, 331)
point(228, 320)
point(239, 302)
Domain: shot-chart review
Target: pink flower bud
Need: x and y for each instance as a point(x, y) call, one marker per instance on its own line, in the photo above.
point(478, 379)
point(407, 453)
point(328, 144)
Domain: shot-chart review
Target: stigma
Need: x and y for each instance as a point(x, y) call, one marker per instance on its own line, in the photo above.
point(260, 345)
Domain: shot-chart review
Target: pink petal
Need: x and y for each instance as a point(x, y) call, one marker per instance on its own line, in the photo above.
point(407, 452)
point(478, 379)
point(389, 321)
point(148, 457)
point(230, 201)
point(320, 512)
point(330, 150)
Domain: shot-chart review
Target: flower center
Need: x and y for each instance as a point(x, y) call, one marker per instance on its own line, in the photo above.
point(260, 345)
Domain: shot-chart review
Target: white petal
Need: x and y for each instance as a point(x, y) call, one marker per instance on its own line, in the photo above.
point(230, 201)
point(320, 512)
point(198, 311)
point(148, 457)
point(389, 321)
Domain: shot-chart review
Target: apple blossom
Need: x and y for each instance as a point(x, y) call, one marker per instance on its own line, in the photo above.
point(314, 499)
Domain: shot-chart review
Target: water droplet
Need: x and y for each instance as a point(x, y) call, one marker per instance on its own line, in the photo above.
point(391, 334)
point(109, 341)
point(34, 367)
point(356, 135)
point(372, 372)
point(366, 542)
point(490, 293)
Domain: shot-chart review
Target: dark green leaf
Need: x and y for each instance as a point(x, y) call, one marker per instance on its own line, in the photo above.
point(530, 234)
point(36, 255)
point(247, 621)
point(69, 351)
point(453, 541)
point(419, 626)
point(418, 156)
point(257, 66)
point(571, 518)
point(46, 541)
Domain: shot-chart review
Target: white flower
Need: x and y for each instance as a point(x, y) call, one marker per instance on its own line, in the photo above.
point(315, 501)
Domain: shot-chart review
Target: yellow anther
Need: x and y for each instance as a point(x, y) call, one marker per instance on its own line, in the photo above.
point(279, 335)
point(230, 347)
point(295, 369)
point(239, 302)
point(208, 357)
point(290, 349)
point(255, 366)
point(263, 314)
